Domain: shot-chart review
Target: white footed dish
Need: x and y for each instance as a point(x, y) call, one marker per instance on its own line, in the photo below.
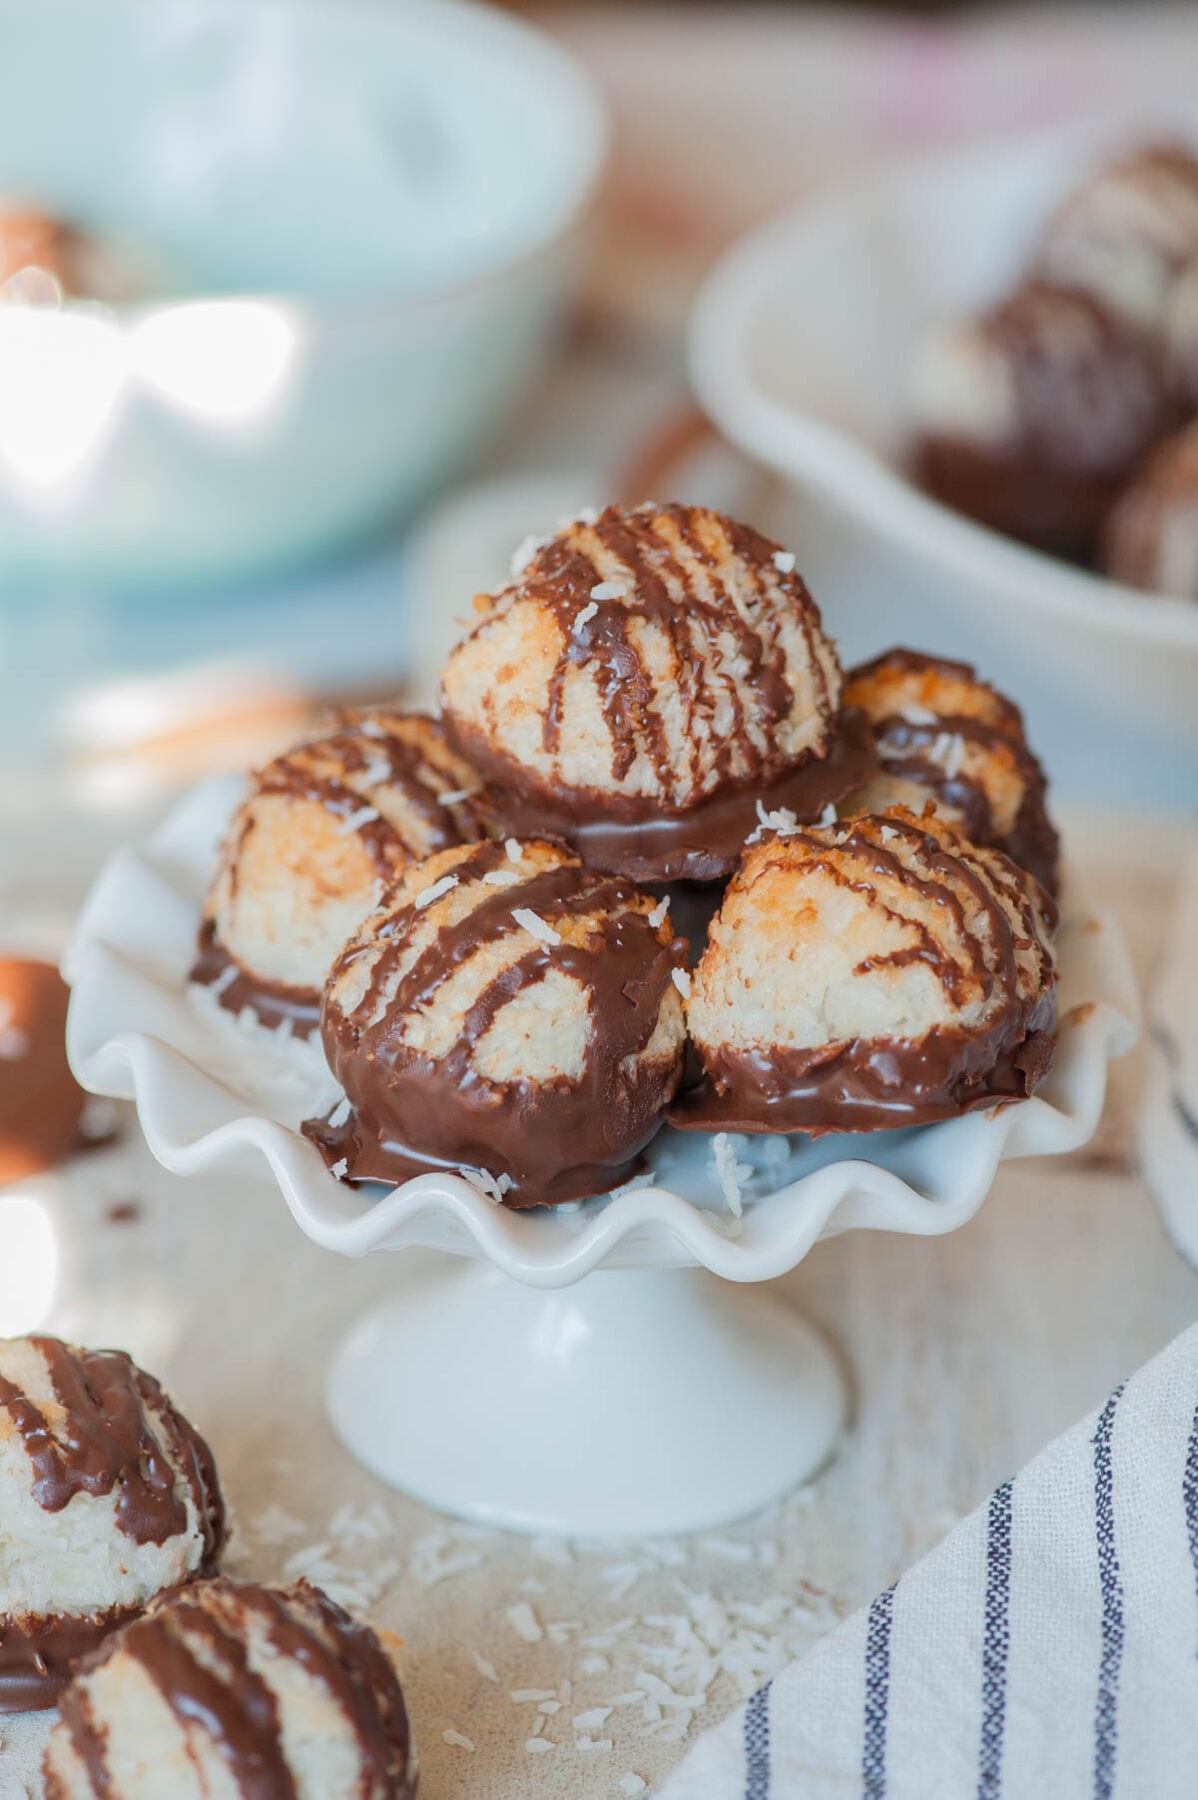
point(751, 1400)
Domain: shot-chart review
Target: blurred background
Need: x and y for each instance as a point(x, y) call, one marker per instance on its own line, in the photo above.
point(331, 302)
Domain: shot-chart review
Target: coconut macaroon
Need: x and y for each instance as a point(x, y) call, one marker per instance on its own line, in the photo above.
point(876, 973)
point(508, 1012)
point(1127, 232)
point(942, 734)
point(643, 679)
point(1030, 418)
point(1151, 537)
point(107, 1496)
point(227, 1688)
point(322, 831)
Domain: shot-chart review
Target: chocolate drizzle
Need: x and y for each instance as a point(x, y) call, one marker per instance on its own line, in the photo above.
point(120, 1432)
point(907, 748)
point(705, 842)
point(680, 641)
point(555, 1140)
point(197, 1645)
point(275, 1004)
point(884, 1083)
point(39, 1656)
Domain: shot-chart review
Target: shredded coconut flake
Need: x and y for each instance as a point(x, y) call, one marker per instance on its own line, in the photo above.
point(918, 715)
point(584, 618)
point(340, 1112)
point(594, 1720)
point(502, 878)
point(365, 815)
point(485, 1668)
point(784, 562)
point(340, 1169)
point(632, 1785)
point(535, 1745)
point(729, 1171)
point(782, 820)
point(524, 1622)
point(458, 1739)
point(224, 980)
point(491, 1187)
point(828, 816)
point(372, 728)
point(657, 917)
point(453, 796)
point(608, 590)
point(531, 1696)
point(512, 846)
point(429, 894)
point(682, 981)
point(377, 771)
point(536, 926)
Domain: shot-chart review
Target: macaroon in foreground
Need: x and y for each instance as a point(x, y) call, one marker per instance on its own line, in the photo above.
point(107, 1496)
point(508, 1011)
point(881, 972)
point(322, 832)
point(647, 676)
point(232, 1689)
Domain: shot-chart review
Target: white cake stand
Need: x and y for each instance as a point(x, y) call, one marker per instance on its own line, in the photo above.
point(649, 1396)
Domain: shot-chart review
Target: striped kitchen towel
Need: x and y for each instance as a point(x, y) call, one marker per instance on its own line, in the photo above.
point(1046, 1650)
point(1169, 1113)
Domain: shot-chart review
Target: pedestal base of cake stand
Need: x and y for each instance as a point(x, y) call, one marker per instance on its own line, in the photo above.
point(633, 1403)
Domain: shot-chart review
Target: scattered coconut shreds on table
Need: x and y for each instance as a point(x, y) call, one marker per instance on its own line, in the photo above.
point(450, 1550)
point(457, 1739)
point(275, 1526)
point(524, 1622)
point(485, 1667)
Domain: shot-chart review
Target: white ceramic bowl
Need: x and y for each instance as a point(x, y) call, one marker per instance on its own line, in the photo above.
point(369, 217)
point(801, 348)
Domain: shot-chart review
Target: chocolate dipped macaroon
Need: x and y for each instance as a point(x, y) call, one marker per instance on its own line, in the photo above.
point(509, 1012)
point(231, 1689)
point(1151, 537)
point(324, 829)
point(880, 972)
point(107, 1497)
point(1030, 418)
point(647, 676)
point(42, 1106)
point(1127, 232)
point(942, 734)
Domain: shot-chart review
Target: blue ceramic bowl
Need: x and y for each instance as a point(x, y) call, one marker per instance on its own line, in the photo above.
point(363, 219)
